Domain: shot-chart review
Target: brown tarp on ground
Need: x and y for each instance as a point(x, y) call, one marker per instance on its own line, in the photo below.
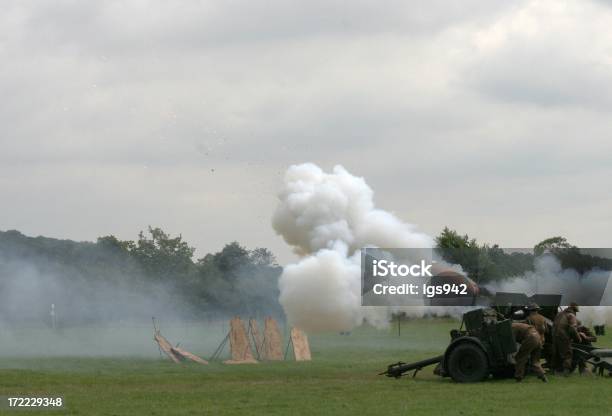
point(176, 354)
point(256, 338)
point(239, 344)
point(272, 345)
point(301, 349)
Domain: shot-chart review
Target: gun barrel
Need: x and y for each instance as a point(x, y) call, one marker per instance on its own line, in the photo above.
point(398, 369)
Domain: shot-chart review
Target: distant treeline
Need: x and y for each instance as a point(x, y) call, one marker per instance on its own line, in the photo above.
point(234, 280)
point(484, 263)
point(157, 273)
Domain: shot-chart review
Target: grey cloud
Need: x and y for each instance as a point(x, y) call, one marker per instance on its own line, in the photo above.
point(548, 54)
point(544, 75)
point(146, 26)
point(116, 115)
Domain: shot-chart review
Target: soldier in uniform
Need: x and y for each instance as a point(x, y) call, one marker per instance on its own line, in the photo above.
point(536, 320)
point(586, 338)
point(565, 330)
point(531, 344)
point(539, 323)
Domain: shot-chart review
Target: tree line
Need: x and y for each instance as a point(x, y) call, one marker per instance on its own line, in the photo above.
point(91, 280)
point(234, 280)
point(484, 262)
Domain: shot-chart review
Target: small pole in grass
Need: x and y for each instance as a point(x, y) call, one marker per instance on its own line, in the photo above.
point(53, 319)
point(399, 324)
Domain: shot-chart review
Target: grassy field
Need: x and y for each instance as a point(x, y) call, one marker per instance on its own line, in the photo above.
point(342, 379)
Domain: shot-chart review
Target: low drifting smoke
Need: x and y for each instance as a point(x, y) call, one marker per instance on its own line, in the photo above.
point(327, 218)
point(595, 315)
point(49, 308)
point(549, 277)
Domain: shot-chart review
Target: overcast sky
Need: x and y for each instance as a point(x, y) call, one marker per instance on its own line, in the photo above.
point(491, 117)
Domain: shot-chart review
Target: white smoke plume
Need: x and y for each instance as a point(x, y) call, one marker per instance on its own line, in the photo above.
point(595, 315)
point(549, 277)
point(327, 218)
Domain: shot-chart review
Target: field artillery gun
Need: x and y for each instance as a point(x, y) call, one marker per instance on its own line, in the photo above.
point(482, 349)
point(486, 345)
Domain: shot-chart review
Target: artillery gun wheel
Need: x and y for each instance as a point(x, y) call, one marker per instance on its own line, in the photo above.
point(467, 363)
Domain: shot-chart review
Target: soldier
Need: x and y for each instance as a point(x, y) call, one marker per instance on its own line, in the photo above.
point(586, 338)
point(531, 344)
point(539, 323)
point(536, 320)
point(564, 332)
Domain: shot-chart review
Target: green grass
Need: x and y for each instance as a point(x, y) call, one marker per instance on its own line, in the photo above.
point(341, 379)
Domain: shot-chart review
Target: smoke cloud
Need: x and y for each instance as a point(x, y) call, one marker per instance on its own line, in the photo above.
point(327, 218)
point(549, 277)
point(92, 315)
point(90, 301)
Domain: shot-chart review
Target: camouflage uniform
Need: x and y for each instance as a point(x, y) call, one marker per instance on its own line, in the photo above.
point(531, 344)
point(564, 332)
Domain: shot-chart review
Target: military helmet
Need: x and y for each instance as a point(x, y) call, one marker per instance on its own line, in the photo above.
point(532, 307)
